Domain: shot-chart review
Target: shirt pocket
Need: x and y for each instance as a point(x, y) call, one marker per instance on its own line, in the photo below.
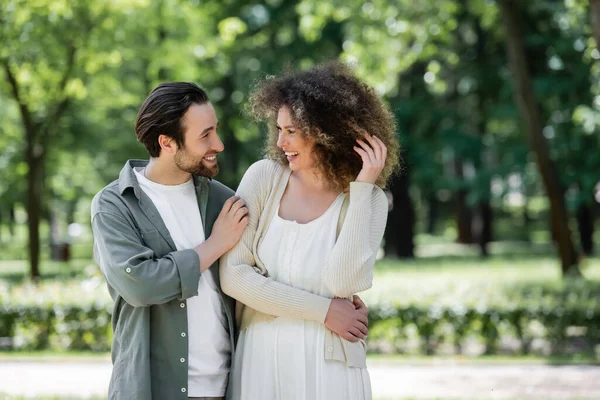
point(154, 240)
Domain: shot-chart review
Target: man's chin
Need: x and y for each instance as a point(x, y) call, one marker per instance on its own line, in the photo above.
point(208, 172)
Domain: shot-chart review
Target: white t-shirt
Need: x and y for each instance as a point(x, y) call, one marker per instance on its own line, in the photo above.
point(209, 348)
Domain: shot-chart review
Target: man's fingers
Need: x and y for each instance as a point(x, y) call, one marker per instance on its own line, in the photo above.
point(227, 206)
point(362, 328)
point(362, 318)
point(358, 301)
point(357, 333)
point(240, 213)
point(237, 205)
point(350, 337)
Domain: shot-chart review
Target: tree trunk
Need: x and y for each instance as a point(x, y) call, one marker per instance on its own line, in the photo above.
point(464, 216)
point(228, 112)
point(585, 224)
point(34, 203)
point(484, 227)
point(71, 209)
point(525, 216)
point(432, 213)
point(484, 208)
point(531, 115)
point(399, 231)
point(11, 221)
point(54, 229)
point(595, 20)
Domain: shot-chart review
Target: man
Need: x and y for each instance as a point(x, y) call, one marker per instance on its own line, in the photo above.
point(158, 233)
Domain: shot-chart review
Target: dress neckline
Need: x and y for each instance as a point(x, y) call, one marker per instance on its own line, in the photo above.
point(312, 221)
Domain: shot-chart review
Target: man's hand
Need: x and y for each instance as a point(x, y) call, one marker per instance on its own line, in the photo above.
point(226, 232)
point(360, 306)
point(346, 320)
point(230, 224)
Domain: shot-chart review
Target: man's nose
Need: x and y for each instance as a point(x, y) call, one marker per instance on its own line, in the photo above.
point(219, 146)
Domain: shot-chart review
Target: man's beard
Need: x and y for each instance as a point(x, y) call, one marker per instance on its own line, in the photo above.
point(194, 166)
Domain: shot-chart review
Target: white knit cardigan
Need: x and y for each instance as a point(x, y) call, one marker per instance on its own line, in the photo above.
point(348, 270)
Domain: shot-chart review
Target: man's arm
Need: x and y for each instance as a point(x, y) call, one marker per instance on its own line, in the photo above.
point(133, 270)
point(141, 278)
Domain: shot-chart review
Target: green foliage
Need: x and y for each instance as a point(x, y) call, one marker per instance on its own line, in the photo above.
point(441, 65)
point(458, 307)
point(558, 317)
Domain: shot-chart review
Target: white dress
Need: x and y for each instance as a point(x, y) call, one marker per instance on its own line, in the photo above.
point(283, 359)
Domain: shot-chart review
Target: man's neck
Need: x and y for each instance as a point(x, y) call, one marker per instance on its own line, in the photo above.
point(159, 172)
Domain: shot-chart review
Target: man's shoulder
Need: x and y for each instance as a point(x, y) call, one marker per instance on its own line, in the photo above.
point(220, 189)
point(107, 199)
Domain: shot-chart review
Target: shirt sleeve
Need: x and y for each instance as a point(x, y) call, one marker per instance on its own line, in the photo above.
point(133, 270)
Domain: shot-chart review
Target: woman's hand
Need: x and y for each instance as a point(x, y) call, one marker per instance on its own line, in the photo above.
point(373, 156)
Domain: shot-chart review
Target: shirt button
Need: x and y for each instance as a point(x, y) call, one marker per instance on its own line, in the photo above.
point(182, 305)
point(182, 359)
point(329, 349)
point(128, 270)
point(182, 334)
point(182, 390)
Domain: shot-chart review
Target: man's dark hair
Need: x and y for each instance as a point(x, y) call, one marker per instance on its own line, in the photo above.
point(162, 113)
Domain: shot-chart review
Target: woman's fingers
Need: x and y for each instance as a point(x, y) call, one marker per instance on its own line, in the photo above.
point(375, 145)
point(363, 154)
point(383, 149)
point(368, 149)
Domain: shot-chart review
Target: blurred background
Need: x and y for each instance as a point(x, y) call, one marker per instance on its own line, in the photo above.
point(488, 285)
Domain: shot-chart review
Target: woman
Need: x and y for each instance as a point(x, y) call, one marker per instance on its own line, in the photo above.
point(317, 217)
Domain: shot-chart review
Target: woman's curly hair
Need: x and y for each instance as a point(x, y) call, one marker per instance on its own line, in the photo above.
point(333, 108)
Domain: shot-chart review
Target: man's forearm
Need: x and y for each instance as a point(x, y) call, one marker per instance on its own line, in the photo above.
point(208, 252)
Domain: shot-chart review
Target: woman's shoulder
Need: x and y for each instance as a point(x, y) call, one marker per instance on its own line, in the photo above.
point(264, 170)
point(263, 173)
point(362, 190)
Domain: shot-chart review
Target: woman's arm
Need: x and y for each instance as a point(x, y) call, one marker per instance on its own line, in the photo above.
point(349, 268)
point(243, 280)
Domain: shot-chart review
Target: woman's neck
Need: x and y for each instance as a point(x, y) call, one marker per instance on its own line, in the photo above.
point(312, 180)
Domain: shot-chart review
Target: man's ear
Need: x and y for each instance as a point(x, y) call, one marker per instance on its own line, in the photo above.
point(167, 144)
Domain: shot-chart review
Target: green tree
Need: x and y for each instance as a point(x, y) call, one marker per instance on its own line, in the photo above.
point(530, 112)
point(50, 49)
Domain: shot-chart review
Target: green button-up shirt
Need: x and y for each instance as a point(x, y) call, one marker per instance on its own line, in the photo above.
point(149, 281)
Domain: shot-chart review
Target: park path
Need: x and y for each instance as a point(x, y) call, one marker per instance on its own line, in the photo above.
point(445, 381)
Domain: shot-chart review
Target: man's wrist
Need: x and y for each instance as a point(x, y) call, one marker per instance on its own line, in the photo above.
point(209, 251)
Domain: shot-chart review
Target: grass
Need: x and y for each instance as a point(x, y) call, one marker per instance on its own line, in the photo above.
point(8, 397)
point(373, 359)
point(396, 359)
point(394, 277)
point(53, 356)
point(16, 271)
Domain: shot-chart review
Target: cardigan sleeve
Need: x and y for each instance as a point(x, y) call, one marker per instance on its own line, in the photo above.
point(243, 280)
point(349, 268)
